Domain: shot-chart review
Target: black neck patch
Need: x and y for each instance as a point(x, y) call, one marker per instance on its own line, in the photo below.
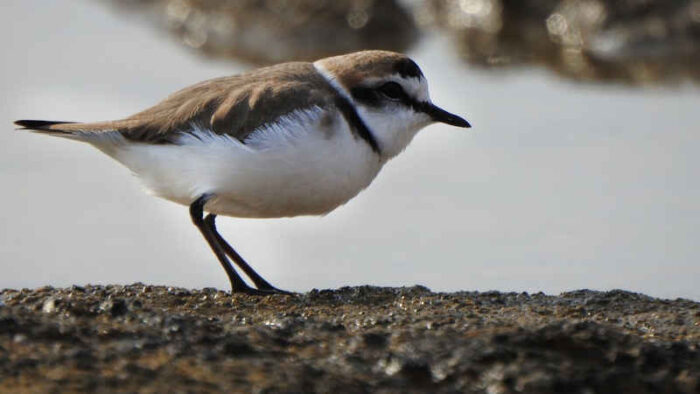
point(356, 123)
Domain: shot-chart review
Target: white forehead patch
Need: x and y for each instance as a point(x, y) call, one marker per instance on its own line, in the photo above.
point(415, 87)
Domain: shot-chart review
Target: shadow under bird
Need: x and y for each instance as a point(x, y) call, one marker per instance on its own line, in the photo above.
point(287, 140)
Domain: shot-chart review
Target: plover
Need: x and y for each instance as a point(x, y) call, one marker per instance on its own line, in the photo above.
point(287, 140)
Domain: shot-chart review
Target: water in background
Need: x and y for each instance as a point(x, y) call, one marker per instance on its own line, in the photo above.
point(560, 185)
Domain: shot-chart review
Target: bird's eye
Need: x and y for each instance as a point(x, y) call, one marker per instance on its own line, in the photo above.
point(391, 90)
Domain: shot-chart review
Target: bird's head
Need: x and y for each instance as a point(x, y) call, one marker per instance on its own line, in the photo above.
point(390, 94)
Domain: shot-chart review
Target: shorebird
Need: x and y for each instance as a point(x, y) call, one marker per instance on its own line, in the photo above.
point(292, 139)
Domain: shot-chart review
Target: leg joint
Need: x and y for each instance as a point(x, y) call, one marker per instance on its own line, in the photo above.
point(210, 220)
point(197, 208)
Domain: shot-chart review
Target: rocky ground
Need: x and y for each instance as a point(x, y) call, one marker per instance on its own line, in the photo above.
point(354, 339)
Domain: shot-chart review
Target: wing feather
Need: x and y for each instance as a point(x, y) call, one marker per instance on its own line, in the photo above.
point(236, 105)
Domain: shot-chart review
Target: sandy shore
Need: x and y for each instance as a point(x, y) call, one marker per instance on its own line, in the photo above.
point(354, 339)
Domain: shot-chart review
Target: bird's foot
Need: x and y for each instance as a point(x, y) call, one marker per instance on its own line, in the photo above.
point(261, 292)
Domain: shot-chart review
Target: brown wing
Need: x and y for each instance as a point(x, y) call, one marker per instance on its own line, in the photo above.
point(235, 105)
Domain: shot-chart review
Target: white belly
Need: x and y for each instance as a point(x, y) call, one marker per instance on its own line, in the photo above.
point(299, 166)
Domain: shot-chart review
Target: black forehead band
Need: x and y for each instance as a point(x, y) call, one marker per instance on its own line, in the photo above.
point(407, 68)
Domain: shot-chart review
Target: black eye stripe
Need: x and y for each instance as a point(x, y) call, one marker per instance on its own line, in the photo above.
point(367, 96)
point(373, 97)
point(392, 90)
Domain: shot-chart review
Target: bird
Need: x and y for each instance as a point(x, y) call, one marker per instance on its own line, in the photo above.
point(292, 139)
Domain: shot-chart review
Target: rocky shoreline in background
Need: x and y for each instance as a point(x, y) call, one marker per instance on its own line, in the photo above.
point(354, 339)
point(637, 42)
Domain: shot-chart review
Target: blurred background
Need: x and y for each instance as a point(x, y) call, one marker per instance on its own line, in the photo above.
point(581, 170)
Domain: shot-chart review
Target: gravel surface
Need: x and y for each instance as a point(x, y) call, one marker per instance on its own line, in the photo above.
point(354, 339)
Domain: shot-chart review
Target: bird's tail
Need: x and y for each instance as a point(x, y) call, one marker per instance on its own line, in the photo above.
point(45, 127)
point(101, 135)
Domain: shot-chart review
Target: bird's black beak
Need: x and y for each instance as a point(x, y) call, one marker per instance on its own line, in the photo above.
point(440, 115)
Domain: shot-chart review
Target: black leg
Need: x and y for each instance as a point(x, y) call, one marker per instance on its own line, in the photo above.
point(197, 213)
point(260, 282)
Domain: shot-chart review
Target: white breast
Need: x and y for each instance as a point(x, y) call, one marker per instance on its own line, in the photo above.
point(307, 163)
